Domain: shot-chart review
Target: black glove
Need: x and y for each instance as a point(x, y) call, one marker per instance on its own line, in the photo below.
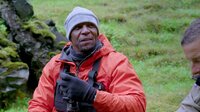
point(76, 89)
point(198, 81)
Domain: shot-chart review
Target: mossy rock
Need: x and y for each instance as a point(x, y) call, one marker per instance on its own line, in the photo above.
point(38, 27)
point(60, 45)
point(8, 52)
point(4, 42)
point(3, 28)
point(11, 66)
point(13, 76)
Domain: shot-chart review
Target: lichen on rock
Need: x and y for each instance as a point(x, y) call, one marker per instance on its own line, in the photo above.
point(13, 73)
point(26, 45)
point(38, 27)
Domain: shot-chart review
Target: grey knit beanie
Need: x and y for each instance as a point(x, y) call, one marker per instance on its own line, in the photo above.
point(79, 15)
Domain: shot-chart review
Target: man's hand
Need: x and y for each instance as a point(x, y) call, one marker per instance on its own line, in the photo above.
point(76, 89)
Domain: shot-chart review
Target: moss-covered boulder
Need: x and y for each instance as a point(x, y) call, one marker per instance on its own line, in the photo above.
point(26, 45)
point(23, 9)
point(13, 73)
point(35, 40)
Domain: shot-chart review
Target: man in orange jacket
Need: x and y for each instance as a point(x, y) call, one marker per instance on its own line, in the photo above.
point(88, 75)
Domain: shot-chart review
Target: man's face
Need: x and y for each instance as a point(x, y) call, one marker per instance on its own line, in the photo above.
point(192, 53)
point(83, 37)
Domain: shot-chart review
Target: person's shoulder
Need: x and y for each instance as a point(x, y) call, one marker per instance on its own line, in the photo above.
point(54, 59)
point(115, 57)
point(116, 54)
point(53, 62)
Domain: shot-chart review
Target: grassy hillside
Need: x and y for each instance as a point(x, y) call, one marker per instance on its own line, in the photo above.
point(148, 32)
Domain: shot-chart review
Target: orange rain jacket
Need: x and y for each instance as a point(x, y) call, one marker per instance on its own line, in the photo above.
point(124, 92)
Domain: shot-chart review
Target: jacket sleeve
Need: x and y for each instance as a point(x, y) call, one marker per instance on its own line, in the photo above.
point(191, 103)
point(43, 97)
point(125, 92)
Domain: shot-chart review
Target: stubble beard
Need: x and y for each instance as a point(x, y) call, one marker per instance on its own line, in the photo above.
point(87, 48)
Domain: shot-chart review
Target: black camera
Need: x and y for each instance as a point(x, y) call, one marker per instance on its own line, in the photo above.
point(72, 106)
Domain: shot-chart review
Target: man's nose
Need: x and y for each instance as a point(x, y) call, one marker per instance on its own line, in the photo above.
point(85, 30)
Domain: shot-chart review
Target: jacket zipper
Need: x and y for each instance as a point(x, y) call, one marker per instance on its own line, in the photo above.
point(77, 71)
point(78, 65)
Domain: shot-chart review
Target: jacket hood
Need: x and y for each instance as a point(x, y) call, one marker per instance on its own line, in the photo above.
point(106, 49)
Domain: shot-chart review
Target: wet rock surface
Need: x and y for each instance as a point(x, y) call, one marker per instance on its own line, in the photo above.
point(25, 47)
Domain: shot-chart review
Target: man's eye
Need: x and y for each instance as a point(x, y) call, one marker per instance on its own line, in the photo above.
point(91, 26)
point(196, 61)
point(77, 28)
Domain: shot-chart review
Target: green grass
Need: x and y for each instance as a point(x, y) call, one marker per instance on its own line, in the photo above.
point(148, 32)
point(20, 105)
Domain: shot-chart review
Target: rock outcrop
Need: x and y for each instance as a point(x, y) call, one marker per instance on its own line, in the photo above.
point(26, 45)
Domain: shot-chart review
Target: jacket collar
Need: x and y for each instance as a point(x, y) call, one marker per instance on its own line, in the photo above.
point(104, 50)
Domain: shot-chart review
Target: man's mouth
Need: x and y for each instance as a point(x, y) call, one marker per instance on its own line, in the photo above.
point(85, 40)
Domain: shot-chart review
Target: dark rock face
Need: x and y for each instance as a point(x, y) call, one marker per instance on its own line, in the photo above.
point(54, 30)
point(25, 47)
point(23, 9)
point(29, 47)
point(13, 73)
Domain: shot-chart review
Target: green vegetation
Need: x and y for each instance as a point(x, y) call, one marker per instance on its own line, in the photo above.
point(20, 105)
point(148, 32)
point(38, 27)
point(2, 27)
